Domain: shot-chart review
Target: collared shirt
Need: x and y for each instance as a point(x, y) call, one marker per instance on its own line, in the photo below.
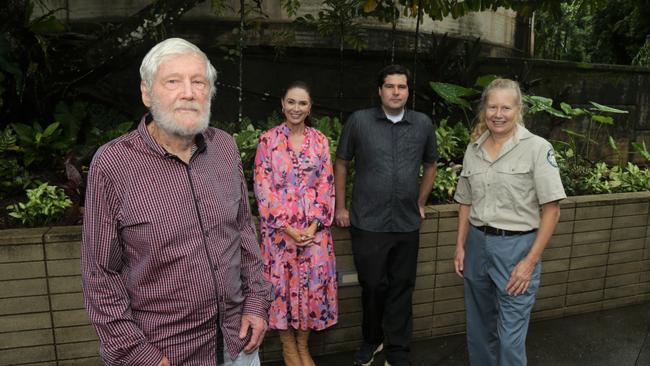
point(507, 193)
point(387, 159)
point(170, 260)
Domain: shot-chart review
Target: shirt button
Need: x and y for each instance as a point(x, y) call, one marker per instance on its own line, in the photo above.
point(207, 234)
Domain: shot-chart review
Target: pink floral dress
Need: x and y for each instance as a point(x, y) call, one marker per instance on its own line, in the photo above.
point(294, 189)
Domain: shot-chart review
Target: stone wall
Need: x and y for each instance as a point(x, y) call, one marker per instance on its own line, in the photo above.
point(599, 258)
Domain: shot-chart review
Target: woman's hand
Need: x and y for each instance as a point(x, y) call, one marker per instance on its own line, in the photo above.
point(300, 237)
point(459, 259)
point(309, 233)
point(520, 277)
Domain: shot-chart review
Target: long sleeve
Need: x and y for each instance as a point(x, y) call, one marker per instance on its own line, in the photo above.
point(256, 289)
point(105, 294)
point(268, 196)
point(322, 202)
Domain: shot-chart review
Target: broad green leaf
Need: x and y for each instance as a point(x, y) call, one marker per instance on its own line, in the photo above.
point(23, 131)
point(484, 80)
point(567, 109)
point(641, 149)
point(453, 93)
point(612, 143)
point(542, 104)
point(606, 120)
point(604, 108)
point(50, 129)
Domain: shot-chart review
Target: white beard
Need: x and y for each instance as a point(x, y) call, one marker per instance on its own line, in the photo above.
point(165, 120)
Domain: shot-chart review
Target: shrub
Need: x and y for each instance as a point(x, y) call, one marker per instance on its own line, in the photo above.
point(45, 205)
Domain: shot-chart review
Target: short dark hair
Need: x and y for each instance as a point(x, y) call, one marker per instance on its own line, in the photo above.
point(392, 70)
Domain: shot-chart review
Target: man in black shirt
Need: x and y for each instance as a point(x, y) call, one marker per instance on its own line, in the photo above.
point(389, 144)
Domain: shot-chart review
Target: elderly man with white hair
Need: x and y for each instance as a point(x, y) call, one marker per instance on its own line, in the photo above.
point(170, 262)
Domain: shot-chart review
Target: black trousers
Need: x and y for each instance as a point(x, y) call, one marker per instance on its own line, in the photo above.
point(386, 266)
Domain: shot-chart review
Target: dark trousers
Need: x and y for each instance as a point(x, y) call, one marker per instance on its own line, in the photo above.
point(386, 265)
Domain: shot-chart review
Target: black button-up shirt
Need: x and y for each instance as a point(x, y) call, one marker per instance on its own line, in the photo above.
point(387, 158)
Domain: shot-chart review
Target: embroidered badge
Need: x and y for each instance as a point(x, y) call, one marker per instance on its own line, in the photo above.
point(550, 157)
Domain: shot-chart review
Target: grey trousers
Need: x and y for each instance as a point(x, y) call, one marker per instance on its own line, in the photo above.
point(497, 323)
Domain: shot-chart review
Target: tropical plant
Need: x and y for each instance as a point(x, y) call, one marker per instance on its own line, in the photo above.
point(45, 204)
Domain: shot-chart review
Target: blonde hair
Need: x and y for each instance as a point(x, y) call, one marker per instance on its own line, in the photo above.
point(481, 125)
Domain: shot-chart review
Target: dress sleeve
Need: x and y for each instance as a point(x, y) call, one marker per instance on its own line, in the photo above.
point(269, 197)
point(322, 207)
point(107, 302)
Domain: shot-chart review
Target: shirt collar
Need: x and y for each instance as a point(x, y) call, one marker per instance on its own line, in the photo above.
point(521, 133)
point(380, 115)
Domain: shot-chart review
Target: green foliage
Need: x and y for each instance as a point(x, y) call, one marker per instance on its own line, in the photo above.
point(13, 176)
point(641, 150)
point(631, 178)
point(330, 127)
point(247, 140)
point(452, 141)
point(642, 58)
point(445, 183)
point(338, 19)
point(41, 145)
point(454, 94)
point(45, 205)
point(536, 104)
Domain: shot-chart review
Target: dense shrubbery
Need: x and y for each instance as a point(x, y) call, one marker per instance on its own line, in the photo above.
point(59, 153)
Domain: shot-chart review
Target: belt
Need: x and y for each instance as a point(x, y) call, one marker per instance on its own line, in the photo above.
point(489, 230)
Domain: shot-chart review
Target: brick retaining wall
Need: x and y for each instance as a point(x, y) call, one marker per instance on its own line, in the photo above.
point(599, 258)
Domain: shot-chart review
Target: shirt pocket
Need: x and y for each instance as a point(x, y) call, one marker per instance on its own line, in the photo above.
point(477, 180)
point(514, 181)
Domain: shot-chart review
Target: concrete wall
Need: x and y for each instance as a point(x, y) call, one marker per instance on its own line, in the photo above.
point(494, 27)
point(599, 258)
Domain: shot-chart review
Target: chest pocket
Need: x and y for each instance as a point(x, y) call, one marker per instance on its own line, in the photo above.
point(477, 179)
point(515, 181)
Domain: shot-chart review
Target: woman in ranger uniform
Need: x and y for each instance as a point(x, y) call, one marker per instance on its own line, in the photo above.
point(508, 174)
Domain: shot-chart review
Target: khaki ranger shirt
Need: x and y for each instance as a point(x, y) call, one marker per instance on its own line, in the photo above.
point(507, 193)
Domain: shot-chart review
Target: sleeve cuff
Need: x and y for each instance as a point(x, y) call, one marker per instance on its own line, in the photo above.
point(257, 306)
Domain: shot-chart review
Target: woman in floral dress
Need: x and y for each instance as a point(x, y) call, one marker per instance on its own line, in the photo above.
point(294, 187)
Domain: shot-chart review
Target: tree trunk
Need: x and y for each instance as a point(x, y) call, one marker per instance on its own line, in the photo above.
point(393, 34)
point(240, 49)
point(415, 54)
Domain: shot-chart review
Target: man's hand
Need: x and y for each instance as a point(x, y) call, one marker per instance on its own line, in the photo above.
point(258, 327)
point(342, 216)
point(520, 277)
point(422, 214)
point(164, 362)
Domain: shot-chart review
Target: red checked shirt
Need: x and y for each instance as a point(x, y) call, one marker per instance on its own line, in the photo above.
point(170, 259)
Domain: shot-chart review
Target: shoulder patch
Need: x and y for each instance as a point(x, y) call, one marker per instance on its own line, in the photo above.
point(550, 157)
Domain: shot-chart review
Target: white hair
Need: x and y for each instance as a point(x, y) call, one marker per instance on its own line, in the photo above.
point(167, 49)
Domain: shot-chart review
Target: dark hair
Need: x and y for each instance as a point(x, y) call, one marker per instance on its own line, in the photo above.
point(392, 70)
point(297, 84)
point(300, 85)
